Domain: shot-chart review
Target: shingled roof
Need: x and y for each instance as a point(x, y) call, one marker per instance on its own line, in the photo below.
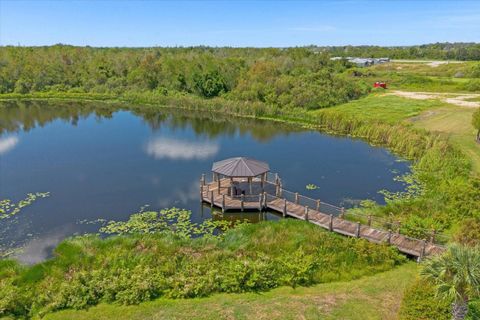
point(240, 167)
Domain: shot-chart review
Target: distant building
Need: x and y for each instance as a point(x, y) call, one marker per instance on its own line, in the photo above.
point(363, 62)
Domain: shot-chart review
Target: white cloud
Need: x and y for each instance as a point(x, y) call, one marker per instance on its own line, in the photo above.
point(7, 144)
point(167, 148)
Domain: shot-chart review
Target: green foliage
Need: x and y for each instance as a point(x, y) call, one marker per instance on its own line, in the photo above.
point(131, 268)
point(476, 122)
point(420, 303)
point(455, 276)
point(292, 77)
point(439, 51)
point(469, 232)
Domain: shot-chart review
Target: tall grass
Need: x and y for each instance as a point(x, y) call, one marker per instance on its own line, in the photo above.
point(132, 268)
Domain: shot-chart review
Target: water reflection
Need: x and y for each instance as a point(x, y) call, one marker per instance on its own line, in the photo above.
point(7, 143)
point(169, 148)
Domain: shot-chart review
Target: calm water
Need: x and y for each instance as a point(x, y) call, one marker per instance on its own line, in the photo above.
point(98, 161)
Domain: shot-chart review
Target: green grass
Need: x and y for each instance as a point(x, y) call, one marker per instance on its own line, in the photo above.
point(374, 297)
point(454, 121)
point(383, 107)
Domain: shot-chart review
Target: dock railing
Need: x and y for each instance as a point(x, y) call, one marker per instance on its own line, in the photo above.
point(391, 228)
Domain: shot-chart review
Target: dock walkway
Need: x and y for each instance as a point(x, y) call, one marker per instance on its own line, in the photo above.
point(268, 194)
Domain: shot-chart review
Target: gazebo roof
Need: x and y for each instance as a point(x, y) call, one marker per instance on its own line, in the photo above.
point(240, 167)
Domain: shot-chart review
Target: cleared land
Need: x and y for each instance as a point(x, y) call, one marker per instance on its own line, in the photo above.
point(376, 297)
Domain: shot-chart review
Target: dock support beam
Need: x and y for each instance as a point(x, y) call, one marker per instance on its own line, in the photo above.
point(242, 199)
point(211, 199)
point(318, 205)
point(223, 203)
point(330, 223)
point(306, 213)
point(260, 201)
point(265, 200)
point(389, 237)
point(284, 208)
point(357, 233)
point(296, 197)
point(369, 220)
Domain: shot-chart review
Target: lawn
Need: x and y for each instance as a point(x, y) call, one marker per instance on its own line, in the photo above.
point(374, 297)
point(383, 107)
point(456, 122)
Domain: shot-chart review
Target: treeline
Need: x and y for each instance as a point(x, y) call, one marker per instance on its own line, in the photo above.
point(294, 77)
point(439, 51)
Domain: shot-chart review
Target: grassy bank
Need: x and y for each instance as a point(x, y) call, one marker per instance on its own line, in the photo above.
point(374, 297)
point(129, 269)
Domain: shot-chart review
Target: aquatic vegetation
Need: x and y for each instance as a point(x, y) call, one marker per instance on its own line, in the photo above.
point(311, 186)
point(8, 208)
point(172, 221)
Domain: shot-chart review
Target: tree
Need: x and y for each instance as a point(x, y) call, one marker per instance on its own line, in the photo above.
point(476, 123)
point(456, 277)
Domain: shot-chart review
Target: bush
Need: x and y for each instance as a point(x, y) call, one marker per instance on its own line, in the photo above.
point(132, 268)
point(420, 303)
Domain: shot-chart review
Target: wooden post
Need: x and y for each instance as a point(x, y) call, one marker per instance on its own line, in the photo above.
point(260, 201)
point(223, 203)
point(242, 199)
point(389, 237)
point(318, 205)
point(342, 213)
point(276, 178)
point(265, 200)
point(357, 233)
point(203, 178)
point(284, 207)
point(330, 223)
point(211, 199)
point(398, 227)
point(432, 236)
point(422, 249)
point(201, 192)
point(369, 220)
point(213, 176)
point(277, 191)
point(296, 197)
point(218, 185)
point(306, 213)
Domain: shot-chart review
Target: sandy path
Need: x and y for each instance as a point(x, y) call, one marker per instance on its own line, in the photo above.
point(459, 99)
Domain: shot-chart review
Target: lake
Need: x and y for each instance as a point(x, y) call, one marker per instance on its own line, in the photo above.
point(105, 161)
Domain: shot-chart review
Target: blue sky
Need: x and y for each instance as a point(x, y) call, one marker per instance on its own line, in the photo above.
point(238, 23)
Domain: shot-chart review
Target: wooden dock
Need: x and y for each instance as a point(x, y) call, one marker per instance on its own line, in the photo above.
point(268, 194)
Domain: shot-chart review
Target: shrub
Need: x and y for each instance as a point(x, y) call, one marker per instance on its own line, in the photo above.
point(420, 303)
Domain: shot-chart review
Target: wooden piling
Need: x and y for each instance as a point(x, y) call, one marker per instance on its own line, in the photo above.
point(330, 223)
point(357, 232)
point(242, 199)
point(306, 213)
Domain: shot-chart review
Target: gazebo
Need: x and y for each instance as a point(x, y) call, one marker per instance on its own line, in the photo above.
point(238, 170)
